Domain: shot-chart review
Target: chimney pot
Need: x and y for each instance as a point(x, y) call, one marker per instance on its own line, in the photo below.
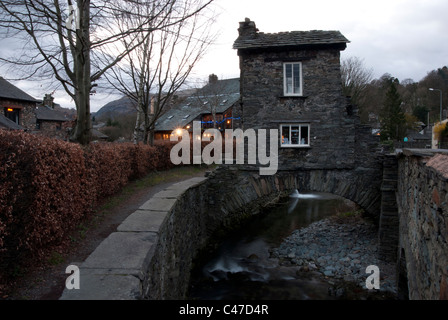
point(247, 28)
point(213, 78)
point(48, 101)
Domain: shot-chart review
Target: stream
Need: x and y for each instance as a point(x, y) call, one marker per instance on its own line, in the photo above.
point(242, 267)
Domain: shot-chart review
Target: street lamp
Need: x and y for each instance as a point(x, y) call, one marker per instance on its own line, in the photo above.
point(432, 89)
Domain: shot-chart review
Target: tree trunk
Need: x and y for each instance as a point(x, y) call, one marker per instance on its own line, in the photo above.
point(151, 136)
point(136, 128)
point(82, 131)
point(82, 80)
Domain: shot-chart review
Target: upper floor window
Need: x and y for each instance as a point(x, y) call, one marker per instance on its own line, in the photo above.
point(292, 79)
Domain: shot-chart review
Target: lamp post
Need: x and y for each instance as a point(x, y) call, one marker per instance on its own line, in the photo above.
point(432, 89)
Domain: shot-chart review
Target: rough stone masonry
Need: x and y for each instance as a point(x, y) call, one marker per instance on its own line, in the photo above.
point(422, 196)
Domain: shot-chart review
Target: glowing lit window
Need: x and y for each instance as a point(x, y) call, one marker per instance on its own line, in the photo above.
point(295, 135)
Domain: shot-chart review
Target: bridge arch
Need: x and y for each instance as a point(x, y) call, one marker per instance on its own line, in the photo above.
point(245, 190)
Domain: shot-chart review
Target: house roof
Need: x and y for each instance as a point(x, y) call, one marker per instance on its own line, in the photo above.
point(286, 39)
point(425, 134)
point(10, 91)
point(97, 135)
point(45, 113)
point(8, 123)
point(222, 94)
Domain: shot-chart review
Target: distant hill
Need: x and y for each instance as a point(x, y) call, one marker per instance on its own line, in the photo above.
point(125, 106)
point(70, 113)
point(115, 109)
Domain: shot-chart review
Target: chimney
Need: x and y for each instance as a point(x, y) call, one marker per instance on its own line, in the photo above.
point(213, 78)
point(247, 28)
point(48, 101)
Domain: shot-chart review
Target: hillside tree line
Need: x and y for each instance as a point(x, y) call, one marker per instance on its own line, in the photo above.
point(391, 105)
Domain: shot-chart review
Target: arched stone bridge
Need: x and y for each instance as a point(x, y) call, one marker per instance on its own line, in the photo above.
point(150, 254)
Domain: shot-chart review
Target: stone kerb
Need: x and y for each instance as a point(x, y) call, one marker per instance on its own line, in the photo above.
point(117, 269)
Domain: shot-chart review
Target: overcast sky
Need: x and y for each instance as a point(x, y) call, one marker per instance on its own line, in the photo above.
point(405, 38)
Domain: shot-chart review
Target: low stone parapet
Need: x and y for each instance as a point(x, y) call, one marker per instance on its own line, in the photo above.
point(119, 267)
point(422, 198)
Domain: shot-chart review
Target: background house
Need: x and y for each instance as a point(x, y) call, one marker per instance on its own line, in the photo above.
point(17, 105)
point(212, 105)
point(38, 117)
point(50, 121)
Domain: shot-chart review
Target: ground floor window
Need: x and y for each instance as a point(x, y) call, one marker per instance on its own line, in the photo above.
point(12, 114)
point(295, 135)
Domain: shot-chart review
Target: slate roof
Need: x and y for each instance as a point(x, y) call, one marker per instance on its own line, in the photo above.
point(48, 114)
point(293, 38)
point(225, 92)
point(425, 134)
point(98, 135)
point(10, 91)
point(8, 123)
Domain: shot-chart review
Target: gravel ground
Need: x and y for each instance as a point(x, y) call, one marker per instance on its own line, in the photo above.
point(339, 249)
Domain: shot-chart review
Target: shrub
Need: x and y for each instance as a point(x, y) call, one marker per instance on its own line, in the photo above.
point(46, 190)
point(48, 186)
point(440, 130)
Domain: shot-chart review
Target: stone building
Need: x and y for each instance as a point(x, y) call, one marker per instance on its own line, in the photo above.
point(51, 122)
point(20, 111)
point(291, 81)
point(17, 105)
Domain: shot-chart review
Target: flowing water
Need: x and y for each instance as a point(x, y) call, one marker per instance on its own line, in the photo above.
point(241, 266)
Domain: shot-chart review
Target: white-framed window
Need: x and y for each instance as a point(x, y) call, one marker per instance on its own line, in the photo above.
point(292, 79)
point(295, 135)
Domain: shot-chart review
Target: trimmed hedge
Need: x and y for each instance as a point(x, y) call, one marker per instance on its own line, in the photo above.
point(48, 186)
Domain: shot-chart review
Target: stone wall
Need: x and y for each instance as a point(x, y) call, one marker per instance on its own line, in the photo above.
point(423, 223)
point(388, 224)
point(54, 129)
point(202, 213)
point(151, 254)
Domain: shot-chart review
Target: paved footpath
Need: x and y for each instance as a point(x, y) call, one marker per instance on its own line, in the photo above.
point(115, 270)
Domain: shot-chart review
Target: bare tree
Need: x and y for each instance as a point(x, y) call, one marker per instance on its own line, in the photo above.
point(77, 43)
point(355, 80)
point(155, 71)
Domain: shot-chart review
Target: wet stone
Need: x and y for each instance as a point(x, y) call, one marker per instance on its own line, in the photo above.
point(340, 251)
